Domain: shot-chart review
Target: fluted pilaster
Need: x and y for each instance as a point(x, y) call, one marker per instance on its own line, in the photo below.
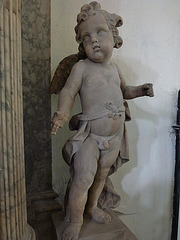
point(13, 216)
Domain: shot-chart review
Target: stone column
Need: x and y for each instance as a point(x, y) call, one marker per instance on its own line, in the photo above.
point(13, 214)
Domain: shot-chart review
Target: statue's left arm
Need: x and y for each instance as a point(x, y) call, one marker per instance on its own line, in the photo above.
point(130, 92)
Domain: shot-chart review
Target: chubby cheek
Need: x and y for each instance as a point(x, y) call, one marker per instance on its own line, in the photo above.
point(87, 48)
point(109, 43)
point(107, 49)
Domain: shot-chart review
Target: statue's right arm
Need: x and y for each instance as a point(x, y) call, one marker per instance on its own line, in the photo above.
point(67, 97)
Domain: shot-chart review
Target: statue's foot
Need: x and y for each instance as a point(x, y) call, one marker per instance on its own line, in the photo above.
point(99, 215)
point(67, 218)
point(72, 231)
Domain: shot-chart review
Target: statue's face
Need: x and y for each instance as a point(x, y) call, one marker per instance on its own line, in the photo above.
point(97, 38)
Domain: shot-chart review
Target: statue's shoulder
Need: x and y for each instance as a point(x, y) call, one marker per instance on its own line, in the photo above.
point(80, 65)
point(115, 64)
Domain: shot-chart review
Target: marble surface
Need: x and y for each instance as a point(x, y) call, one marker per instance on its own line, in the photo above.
point(37, 115)
point(13, 214)
point(36, 98)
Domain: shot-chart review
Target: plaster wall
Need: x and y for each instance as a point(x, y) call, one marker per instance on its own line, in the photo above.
point(150, 53)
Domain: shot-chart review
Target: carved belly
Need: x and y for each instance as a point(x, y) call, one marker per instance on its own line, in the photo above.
point(107, 126)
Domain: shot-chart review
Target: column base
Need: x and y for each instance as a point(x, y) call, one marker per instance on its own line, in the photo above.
point(30, 234)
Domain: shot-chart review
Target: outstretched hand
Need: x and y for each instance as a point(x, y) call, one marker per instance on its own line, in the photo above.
point(58, 120)
point(147, 89)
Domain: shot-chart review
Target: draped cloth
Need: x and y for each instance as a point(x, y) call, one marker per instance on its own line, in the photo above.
point(109, 198)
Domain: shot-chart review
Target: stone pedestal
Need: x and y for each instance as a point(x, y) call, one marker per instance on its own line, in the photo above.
point(13, 214)
point(92, 230)
point(40, 208)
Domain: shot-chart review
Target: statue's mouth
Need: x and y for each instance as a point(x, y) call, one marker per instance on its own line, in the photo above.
point(96, 47)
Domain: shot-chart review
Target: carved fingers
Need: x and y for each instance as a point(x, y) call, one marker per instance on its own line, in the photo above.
point(58, 120)
point(147, 89)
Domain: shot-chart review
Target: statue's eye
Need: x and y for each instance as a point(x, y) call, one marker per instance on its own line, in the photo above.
point(86, 38)
point(102, 30)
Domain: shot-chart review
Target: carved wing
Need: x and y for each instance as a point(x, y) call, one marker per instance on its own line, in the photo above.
point(62, 72)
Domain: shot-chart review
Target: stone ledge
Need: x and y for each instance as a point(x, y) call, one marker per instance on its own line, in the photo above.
point(41, 206)
point(91, 230)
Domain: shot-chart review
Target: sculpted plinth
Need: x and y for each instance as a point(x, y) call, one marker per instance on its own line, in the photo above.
point(99, 146)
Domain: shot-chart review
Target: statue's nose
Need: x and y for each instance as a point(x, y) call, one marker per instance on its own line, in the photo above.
point(94, 39)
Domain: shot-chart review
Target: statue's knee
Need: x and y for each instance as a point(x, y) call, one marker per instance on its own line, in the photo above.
point(84, 181)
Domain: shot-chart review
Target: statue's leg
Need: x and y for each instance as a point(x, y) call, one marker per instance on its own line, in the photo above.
point(66, 204)
point(106, 160)
point(85, 167)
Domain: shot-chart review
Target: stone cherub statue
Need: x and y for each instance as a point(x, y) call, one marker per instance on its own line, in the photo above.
point(99, 146)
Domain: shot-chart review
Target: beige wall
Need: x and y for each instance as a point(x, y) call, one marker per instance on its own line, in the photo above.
point(150, 53)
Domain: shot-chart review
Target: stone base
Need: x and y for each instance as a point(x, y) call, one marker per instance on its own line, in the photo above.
point(40, 207)
point(92, 230)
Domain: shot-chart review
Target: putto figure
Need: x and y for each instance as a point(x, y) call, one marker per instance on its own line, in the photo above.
point(99, 146)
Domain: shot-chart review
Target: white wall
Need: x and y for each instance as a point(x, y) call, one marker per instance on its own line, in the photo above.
point(150, 53)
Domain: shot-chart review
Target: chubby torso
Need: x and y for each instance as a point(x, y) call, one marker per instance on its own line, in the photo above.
point(101, 88)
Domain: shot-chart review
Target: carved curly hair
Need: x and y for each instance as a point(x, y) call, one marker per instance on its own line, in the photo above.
point(113, 21)
point(64, 68)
